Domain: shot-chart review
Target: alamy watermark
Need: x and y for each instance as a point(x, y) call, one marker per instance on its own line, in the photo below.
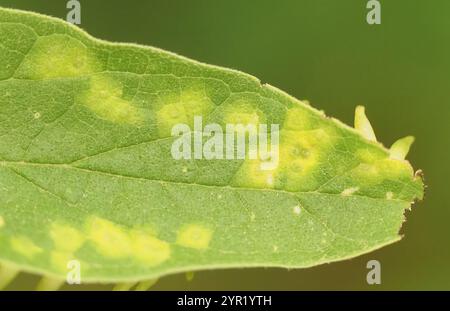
point(74, 273)
point(374, 15)
point(235, 141)
point(374, 275)
point(74, 15)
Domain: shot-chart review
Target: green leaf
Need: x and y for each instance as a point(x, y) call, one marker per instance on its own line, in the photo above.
point(86, 171)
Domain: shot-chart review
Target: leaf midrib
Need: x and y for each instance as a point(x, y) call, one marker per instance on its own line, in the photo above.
point(115, 175)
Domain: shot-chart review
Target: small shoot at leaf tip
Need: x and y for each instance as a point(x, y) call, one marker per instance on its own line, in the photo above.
point(399, 150)
point(362, 124)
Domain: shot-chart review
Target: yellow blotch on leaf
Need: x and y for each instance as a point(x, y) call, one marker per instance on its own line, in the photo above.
point(104, 98)
point(60, 260)
point(374, 173)
point(66, 238)
point(25, 246)
point(395, 169)
point(299, 153)
point(250, 174)
point(170, 115)
point(194, 236)
point(148, 249)
point(298, 156)
point(110, 239)
point(297, 119)
point(243, 112)
point(182, 108)
point(2, 222)
point(300, 148)
point(370, 155)
point(115, 241)
point(57, 56)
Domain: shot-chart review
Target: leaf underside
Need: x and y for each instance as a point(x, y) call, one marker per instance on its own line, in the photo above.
point(86, 171)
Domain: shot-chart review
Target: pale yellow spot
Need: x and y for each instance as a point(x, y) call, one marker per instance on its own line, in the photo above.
point(196, 104)
point(170, 115)
point(297, 119)
point(184, 170)
point(2, 222)
point(299, 155)
point(269, 180)
point(275, 248)
point(370, 174)
point(57, 56)
point(389, 195)
point(369, 156)
point(194, 236)
point(110, 239)
point(25, 246)
point(148, 249)
point(252, 217)
point(66, 238)
point(299, 152)
point(182, 109)
point(105, 99)
point(60, 260)
point(395, 168)
point(250, 174)
point(297, 210)
point(243, 118)
point(367, 173)
point(37, 115)
point(242, 112)
point(349, 191)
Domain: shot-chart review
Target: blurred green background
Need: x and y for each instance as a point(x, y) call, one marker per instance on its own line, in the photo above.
point(323, 51)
